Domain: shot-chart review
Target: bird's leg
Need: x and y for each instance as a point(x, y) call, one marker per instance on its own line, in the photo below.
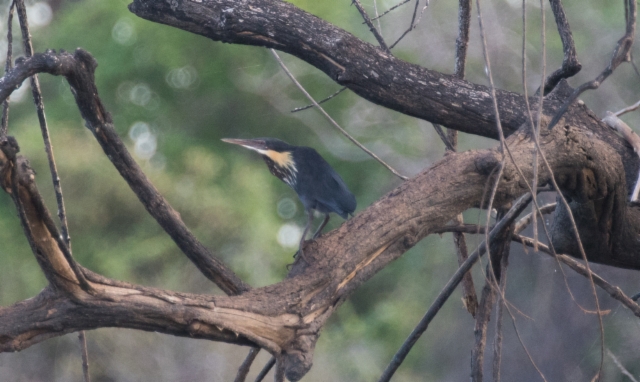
point(324, 223)
point(304, 233)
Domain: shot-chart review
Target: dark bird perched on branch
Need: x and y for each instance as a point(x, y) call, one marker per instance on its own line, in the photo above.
point(318, 186)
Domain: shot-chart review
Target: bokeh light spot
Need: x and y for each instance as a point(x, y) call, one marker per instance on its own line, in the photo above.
point(182, 78)
point(39, 14)
point(287, 208)
point(289, 235)
point(123, 32)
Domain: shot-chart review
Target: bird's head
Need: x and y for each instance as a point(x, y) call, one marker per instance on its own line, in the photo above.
point(278, 155)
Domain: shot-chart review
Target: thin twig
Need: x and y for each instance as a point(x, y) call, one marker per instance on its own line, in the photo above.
point(372, 27)
point(526, 350)
point(620, 55)
point(476, 229)
point(5, 105)
point(403, 2)
point(266, 369)
point(37, 99)
point(633, 64)
point(451, 285)
point(243, 371)
point(411, 26)
point(57, 187)
point(499, 246)
point(633, 107)
point(492, 87)
point(443, 136)
point(536, 131)
point(85, 355)
point(487, 63)
point(377, 18)
point(526, 101)
point(497, 342)
point(279, 375)
point(422, 13)
point(580, 268)
point(297, 109)
point(333, 122)
point(526, 220)
point(622, 369)
point(480, 330)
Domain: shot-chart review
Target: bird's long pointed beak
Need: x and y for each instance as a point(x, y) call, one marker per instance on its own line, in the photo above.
point(252, 144)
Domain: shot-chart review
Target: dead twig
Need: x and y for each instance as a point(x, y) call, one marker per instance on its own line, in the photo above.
point(413, 23)
point(372, 27)
point(403, 2)
point(633, 107)
point(621, 367)
point(266, 369)
point(243, 371)
point(331, 120)
point(570, 64)
point(620, 55)
point(582, 269)
point(5, 105)
point(526, 220)
point(297, 109)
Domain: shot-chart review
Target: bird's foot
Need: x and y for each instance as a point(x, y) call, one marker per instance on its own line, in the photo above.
point(301, 254)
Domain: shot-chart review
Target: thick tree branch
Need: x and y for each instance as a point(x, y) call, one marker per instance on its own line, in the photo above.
point(363, 68)
point(18, 180)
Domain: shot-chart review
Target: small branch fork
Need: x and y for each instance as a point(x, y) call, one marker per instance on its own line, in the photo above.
point(413, 22)
point(620, 54)
point(372, 27)
point(403, 2)
point(570, 64)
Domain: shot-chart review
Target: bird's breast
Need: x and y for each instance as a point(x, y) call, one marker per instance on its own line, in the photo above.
point(285, 173)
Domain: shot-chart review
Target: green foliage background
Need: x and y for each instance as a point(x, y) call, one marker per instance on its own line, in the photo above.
point(191, 92)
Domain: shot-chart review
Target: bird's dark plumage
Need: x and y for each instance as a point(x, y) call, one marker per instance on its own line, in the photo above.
point(317, 184)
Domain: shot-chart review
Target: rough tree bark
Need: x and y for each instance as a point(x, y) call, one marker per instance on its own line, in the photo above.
point(590, 162)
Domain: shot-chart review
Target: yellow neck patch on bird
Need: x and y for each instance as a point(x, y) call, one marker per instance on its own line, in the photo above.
point(282, 159)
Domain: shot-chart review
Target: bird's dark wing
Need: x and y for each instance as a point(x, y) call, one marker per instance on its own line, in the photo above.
point(319, 186)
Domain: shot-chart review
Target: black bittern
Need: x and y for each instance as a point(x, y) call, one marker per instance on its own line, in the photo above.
point(317, 184)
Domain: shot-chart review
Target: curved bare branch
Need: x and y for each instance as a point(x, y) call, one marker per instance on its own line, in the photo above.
point(363, 68)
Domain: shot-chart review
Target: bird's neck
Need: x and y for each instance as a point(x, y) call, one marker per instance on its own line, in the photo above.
point(286, 172)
